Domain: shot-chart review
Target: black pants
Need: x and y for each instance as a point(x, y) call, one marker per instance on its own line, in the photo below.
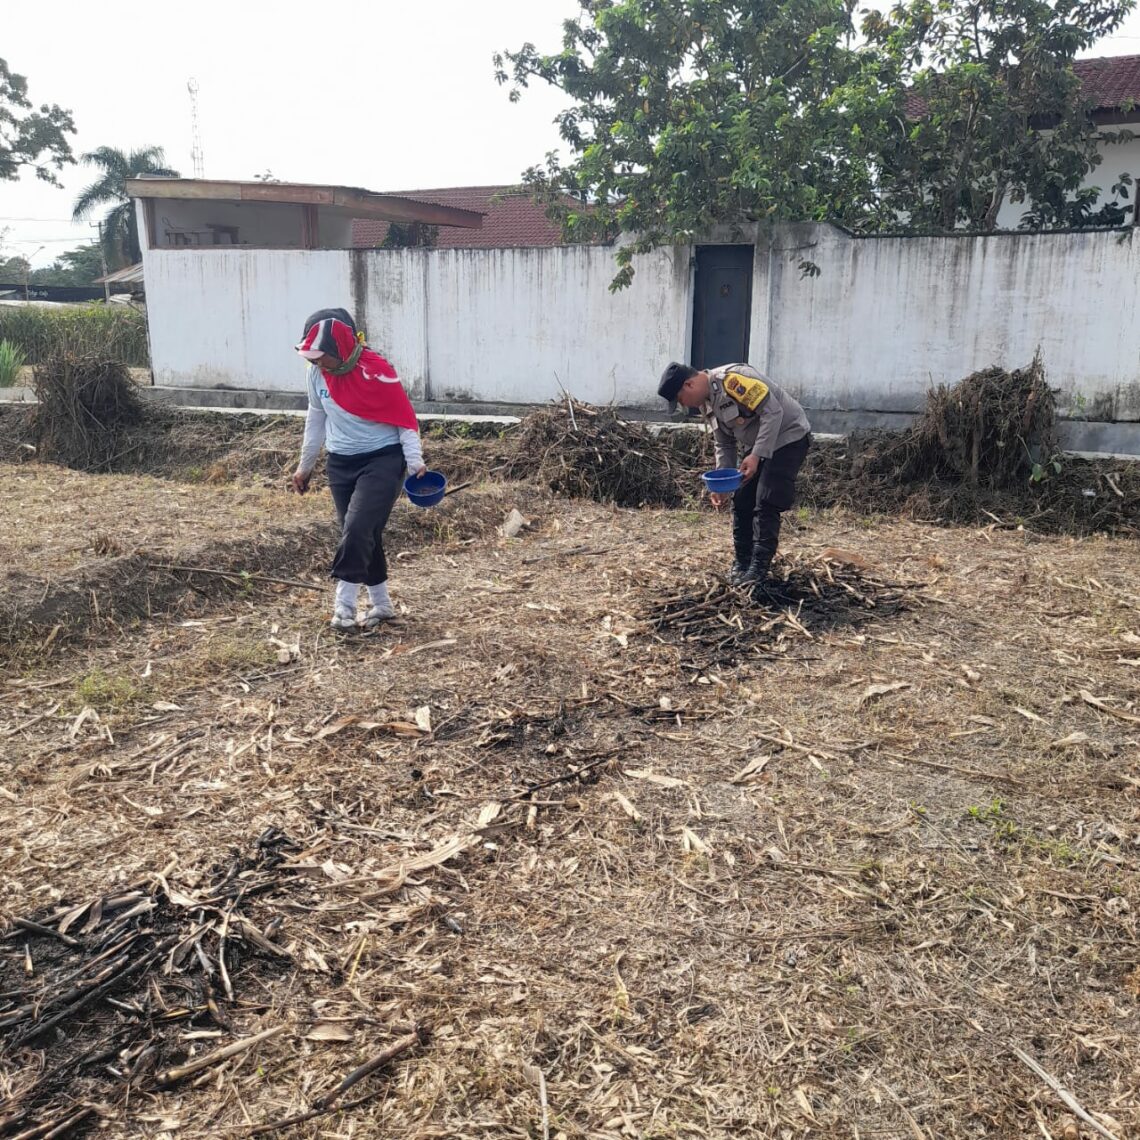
point(364, 490)
point(758, 505)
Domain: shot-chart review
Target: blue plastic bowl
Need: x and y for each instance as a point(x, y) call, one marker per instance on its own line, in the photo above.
point(427, 490)
point(723, 481)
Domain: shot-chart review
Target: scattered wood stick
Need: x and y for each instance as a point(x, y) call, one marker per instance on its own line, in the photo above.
point(911, 1123)
point(565, 778)
point(972, 773)
point(457, 487)
point(180, 1072)
point(1104, 707)
point(325, 1104)
point(236, 575)
point(54, 1128)
point(1063, 1093)
point(46, 931)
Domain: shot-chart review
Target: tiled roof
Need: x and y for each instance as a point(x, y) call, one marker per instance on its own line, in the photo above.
point(510, 221)
point(1108, 81)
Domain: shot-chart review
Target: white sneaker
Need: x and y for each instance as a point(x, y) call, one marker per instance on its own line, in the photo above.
point(377, 614)
point(343, 618)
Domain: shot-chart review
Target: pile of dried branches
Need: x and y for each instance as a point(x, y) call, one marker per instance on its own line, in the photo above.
point(990, 429)
point(580, 451)
point(92, 995)
point(85, 405)
point(984, 451)
point(719, 625)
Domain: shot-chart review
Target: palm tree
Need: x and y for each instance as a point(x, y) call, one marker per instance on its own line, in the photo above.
point(120, 230)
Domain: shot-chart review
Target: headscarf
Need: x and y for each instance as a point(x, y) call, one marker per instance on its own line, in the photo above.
point(364, 383)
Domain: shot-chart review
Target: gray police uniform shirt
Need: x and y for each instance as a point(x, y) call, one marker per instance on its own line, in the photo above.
point(777, 421)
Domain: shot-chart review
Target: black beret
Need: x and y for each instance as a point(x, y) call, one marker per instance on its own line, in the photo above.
point(671, 380)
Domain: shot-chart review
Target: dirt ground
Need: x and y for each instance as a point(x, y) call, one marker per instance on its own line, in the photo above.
point(856, 885)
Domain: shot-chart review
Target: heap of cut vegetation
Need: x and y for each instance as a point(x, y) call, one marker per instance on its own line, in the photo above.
point(581, 451)
point(86, 403)
point(985, 450)
point(995, 429)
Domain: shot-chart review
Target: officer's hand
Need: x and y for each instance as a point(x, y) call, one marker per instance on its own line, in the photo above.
point(749, 467)
point(300, 482)
point(718, 499)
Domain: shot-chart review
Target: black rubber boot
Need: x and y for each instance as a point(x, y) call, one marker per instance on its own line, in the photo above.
point(763, 549)
point(742, 541)
point(738, 575)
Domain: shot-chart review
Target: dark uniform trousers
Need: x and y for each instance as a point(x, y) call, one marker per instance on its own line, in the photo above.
point(759, 503)
point(364, 490)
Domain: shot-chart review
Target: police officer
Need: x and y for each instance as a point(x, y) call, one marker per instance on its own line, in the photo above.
point(757, 420)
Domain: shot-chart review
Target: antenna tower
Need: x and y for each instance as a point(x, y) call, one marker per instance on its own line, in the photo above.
point(197, 159)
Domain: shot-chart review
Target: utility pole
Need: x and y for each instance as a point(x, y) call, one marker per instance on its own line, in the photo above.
point(28, 274)
point(103, 259)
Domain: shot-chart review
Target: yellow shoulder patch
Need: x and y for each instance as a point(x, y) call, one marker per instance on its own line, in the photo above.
point(746, 391)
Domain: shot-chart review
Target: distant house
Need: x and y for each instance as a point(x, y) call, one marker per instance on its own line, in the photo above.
point(1112, 86)
point(511, 220)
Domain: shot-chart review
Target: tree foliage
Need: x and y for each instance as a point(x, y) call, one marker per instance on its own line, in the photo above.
point(117, 167)
point(689, 115)
point(82, 265)
point(33, 138)
point(991, 111)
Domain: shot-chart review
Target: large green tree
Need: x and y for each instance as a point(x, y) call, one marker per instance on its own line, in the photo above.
point(80, 266)
point(28, 137)
point(968, 104)
point(687, 115)
point(117, 168)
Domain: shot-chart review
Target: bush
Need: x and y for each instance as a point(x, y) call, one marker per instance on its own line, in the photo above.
point(116, 332)
point(11, 361)
point(86, 403)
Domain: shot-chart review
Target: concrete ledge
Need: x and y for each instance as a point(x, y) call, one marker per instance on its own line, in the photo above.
point(1078, 437)
point(234, 399)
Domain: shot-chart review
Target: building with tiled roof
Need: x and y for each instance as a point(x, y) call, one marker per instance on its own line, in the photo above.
point(1111, 84)
point(511, 220)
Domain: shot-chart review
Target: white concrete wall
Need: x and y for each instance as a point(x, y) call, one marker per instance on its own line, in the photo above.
point(502, 325)
point(229, 317)
point(884, 319)
point(527, 324)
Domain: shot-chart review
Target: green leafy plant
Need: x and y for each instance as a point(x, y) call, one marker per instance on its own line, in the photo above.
point(35, 138)
point(115, 332)
point(11, 361)
point(1041, 471)
point(119, 228)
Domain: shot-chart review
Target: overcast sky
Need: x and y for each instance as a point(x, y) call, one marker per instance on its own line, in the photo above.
point(373, 93)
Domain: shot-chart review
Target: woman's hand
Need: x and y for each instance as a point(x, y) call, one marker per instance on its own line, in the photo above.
point(420, 471)
point(300, 481)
